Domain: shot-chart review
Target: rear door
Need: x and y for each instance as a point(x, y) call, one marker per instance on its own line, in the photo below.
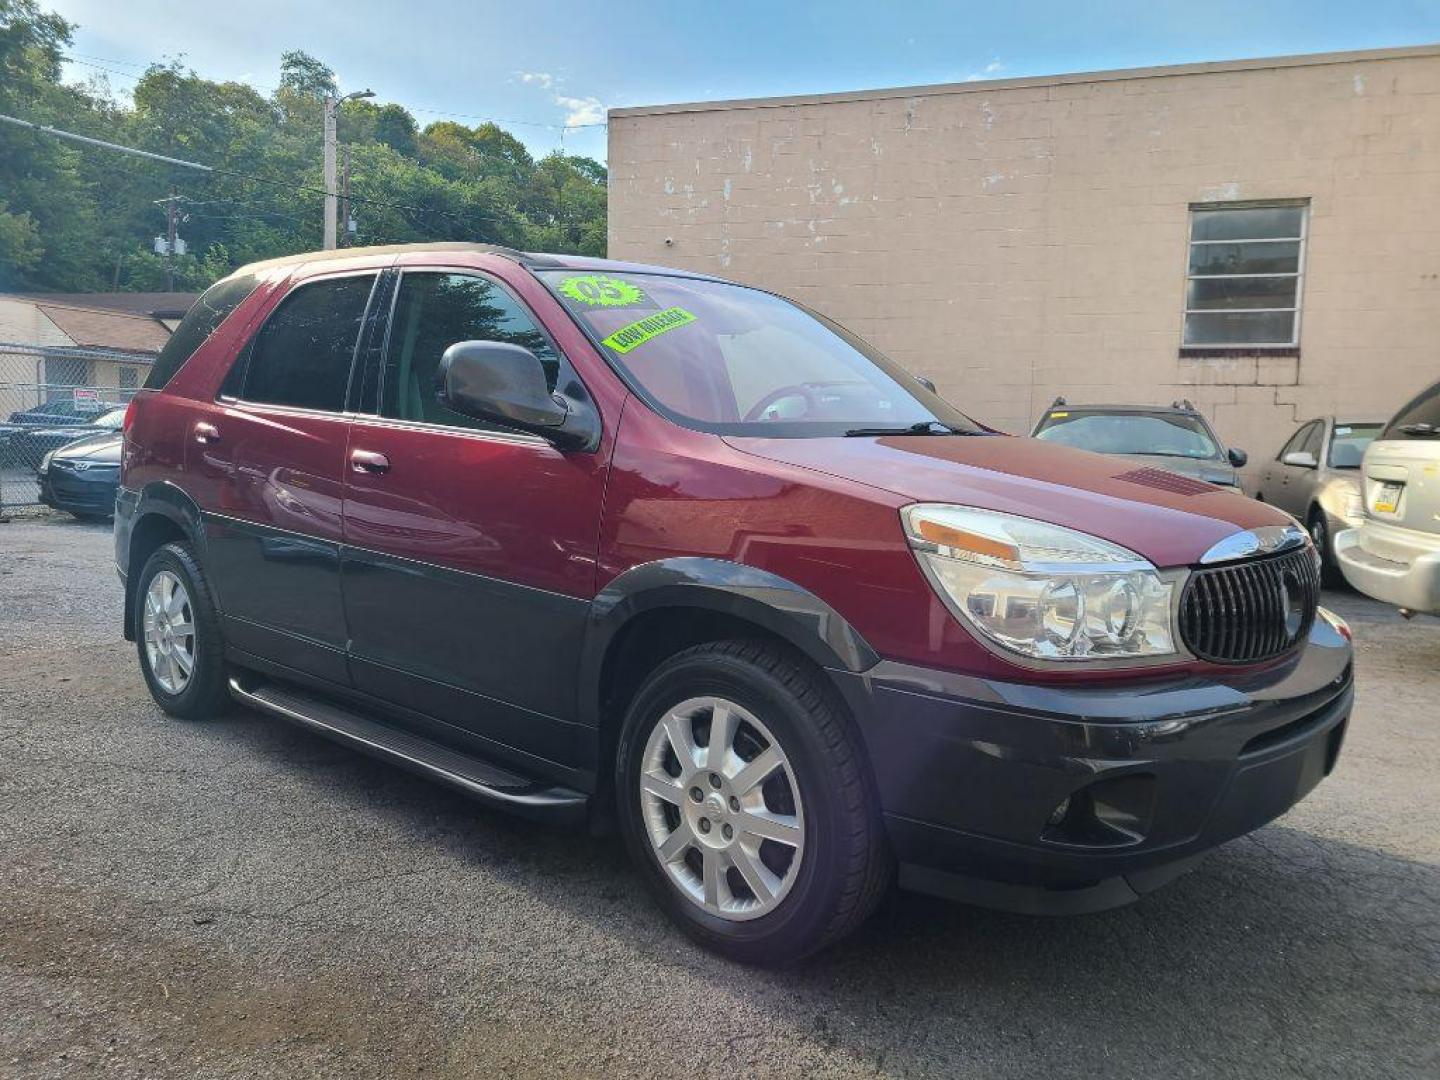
point(1402, 467)
point(469, 557)
point(267, 464)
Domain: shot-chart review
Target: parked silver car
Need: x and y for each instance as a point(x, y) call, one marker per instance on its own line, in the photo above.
point(1316, 477)
point(1395, 553)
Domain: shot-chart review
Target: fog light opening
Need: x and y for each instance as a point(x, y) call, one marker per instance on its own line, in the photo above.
point(1105, 814)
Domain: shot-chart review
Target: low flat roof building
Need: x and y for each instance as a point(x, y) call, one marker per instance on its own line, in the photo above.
point(1260, 236)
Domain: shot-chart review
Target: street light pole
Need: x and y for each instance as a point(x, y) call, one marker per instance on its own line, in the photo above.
point(332, 113)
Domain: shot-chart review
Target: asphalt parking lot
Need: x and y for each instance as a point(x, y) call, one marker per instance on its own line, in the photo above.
point(239, 898)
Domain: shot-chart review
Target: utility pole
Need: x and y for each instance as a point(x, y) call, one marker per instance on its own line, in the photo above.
point(170, 244)
point(332, 113)
point(171, 212)
point(345, 237)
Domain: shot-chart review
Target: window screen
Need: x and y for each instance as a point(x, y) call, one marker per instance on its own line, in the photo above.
point(214, 305)
point(435, 311)
point(1243, 282)
point(303, 353)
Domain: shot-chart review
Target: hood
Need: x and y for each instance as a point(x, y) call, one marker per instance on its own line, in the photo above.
point(1169, 519)
point(102, 447)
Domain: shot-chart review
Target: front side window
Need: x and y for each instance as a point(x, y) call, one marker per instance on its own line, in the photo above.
point(1243, 282)
point(434, 311)
point(1154, 434)
point(737, 361)
point(1298, 440)
point(302, 355)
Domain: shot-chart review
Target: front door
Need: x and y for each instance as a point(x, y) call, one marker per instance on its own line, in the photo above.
point(469, 557)
point(267, 462)
point(1297, 481)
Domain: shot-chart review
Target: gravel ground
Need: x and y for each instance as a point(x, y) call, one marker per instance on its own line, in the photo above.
point(238, 898)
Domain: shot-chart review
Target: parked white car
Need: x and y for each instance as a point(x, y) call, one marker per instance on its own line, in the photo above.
point(1394, 555)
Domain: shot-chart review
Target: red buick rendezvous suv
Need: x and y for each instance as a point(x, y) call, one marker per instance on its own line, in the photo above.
point(602, 542)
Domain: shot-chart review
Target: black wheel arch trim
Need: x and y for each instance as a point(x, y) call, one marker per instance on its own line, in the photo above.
point(160, 498)
point(773, 603)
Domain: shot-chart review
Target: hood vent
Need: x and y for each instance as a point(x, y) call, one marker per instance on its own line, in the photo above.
point(1163, 480)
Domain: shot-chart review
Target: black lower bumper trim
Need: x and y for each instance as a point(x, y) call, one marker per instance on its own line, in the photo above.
point(1101, 895)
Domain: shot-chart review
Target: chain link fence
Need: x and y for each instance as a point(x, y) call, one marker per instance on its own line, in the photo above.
point(76, 395)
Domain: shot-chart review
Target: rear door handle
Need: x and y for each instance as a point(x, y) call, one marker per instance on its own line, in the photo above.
point(206, 433)
point(367, 461)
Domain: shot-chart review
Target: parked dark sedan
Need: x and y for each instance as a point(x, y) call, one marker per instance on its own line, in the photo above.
point(29, 445)
point(62, 413)
point(81, 477)
point(1176, 437)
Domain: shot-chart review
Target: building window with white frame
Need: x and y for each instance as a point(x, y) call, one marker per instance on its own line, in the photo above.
point(1242, 286)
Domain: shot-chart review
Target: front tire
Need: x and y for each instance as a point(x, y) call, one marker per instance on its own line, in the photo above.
point(177, 635)
point(746, 804)
point(1319, 528)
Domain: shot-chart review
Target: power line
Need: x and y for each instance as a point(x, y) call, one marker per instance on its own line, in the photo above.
point(219, 171)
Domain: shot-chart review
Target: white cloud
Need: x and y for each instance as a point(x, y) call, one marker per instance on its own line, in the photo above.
point(580, 111)
point(989, 71)
point(542, 79)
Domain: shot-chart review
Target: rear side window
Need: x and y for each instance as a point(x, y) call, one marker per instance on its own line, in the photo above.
point(214, 305)
point(302, 355)
point(1418, 420)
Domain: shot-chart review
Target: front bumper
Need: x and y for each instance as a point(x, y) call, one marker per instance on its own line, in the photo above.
point(1405, 571)
point(79, 493)
point(971, 773)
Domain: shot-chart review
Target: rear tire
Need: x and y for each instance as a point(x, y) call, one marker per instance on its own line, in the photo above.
point(819, 864)
point(177, 635)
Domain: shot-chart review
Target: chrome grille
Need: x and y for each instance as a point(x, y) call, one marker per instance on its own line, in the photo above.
point(1251, 610)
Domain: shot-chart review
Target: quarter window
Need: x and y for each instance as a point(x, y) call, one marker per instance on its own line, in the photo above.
point(435, 311)
point(213, 307)
point(303, 353)
point(1243, 281)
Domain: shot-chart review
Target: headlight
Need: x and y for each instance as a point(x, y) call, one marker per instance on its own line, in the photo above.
point(1041, 590)
point(45, 461)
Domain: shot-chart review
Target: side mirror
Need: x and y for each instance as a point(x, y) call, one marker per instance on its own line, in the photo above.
point(504, 383)
point(1303, 458)
point(928, 384)
point(1238, 458)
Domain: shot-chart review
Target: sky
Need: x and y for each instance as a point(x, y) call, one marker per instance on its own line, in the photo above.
point(547, 71)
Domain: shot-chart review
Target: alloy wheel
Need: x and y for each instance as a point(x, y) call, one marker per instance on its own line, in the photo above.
point(722, 808)
point(169, 629)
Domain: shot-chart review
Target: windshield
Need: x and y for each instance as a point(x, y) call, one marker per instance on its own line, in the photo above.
point(114, 420)
point(1347, 445)
point(738, 361)
point(1159, 434)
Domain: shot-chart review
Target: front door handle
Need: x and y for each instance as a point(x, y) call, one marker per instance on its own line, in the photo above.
point(367, 461)
point(206, 433)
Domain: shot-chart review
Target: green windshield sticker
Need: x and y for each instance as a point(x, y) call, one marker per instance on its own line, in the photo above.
point(642, 330)
point(602, 290)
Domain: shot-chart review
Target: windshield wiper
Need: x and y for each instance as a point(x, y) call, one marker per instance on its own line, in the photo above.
point(924, 427)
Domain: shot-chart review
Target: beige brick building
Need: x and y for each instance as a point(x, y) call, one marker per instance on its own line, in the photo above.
point(1024, 238)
